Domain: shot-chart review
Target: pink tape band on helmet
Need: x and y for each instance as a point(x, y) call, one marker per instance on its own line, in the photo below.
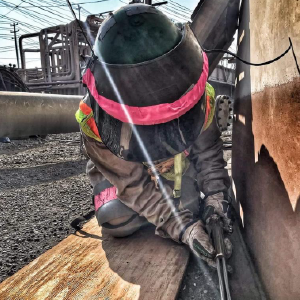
point(154, 114)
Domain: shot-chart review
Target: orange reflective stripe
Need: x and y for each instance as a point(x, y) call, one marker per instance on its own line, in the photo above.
point(92, 124)
point(85, 108)
point(208, 108)
point(88, 121)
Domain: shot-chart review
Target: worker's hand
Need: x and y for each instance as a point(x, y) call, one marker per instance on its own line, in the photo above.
point(197, 239)
point(217, 204)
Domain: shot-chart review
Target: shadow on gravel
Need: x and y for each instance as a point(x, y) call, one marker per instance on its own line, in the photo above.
point(22, 177)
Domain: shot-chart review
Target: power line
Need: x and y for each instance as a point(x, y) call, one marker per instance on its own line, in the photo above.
point(45, 10)
point(63, 3)
point(176, 14)
point(172, 12)
point(180, 5)
point(176, 6)
point(172, 15)
point(3, 51)
point(14, 8)
point(21, 23)
point(74, 4)
point(29, 13)
point(34, 14)
point(9, 48)
point(52, 11)
point(257, 64)
point(177, 10)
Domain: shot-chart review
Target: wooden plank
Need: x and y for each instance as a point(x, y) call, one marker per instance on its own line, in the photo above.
point(91, 266)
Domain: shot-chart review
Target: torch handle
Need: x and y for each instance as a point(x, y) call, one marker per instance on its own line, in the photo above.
point(218, 237)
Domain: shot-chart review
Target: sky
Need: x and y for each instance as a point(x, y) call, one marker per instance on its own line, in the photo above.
point(34, 15)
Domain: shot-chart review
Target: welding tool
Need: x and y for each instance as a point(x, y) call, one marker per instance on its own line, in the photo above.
point(216, 231)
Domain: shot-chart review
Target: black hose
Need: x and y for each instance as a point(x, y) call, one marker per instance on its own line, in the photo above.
point(257, 64)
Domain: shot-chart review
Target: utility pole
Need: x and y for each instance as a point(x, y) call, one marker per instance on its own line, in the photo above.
point(79, 8)
point(16, 44)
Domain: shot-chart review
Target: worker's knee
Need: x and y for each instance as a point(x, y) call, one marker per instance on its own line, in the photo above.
point(117, 219)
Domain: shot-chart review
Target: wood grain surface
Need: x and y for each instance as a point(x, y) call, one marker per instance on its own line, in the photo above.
point(91, 266)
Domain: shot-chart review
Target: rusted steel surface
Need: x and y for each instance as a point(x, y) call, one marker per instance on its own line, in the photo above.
point(25, 114)
point(266, 143)
point(280, 120)
point(91, 266)
point(273, 214)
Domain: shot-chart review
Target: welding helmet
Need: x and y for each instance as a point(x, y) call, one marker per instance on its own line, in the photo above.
point(146, 84)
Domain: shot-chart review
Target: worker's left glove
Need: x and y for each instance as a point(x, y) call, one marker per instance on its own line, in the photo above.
point(218, 204)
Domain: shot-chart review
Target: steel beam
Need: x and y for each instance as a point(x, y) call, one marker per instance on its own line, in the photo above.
point(25, 114)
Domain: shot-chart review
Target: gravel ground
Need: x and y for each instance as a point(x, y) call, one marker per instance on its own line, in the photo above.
point(200, 282)
point(43, 188)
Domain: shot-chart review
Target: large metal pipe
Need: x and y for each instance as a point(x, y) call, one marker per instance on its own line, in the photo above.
point(214, 23)
point(25, 114)
point(54, 83)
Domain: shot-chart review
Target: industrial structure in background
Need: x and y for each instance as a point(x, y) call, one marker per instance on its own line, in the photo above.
point(62, 50)
point(10, 81)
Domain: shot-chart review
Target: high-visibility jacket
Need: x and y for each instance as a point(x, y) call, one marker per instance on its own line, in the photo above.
point(172, 168)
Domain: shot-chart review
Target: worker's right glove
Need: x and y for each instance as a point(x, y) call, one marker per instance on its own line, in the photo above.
point(198, 240)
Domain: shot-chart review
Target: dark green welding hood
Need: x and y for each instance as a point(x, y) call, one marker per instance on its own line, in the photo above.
point(135, 33)
point(146, 85)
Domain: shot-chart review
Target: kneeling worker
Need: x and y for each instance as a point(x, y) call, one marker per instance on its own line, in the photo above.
point(149, 130)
